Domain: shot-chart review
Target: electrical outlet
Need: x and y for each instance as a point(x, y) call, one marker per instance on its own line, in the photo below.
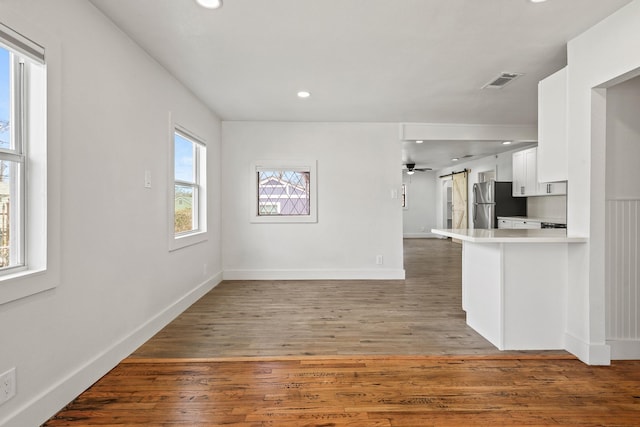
point(205, 270)
point(7, 385)
point(379, 260)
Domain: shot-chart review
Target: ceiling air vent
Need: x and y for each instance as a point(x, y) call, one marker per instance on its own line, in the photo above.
point(501, 81)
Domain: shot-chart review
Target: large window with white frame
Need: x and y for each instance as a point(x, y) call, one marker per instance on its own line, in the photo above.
point(21, 71)
point(188, 200)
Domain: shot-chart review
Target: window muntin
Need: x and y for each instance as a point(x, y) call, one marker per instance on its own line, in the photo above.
point(187, 178)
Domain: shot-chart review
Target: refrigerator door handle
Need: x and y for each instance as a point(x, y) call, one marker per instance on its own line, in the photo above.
point(475, 213)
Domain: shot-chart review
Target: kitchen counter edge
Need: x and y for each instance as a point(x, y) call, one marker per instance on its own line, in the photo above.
point(509, 235)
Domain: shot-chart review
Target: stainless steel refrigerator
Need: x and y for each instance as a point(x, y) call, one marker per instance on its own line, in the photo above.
point(493, 199)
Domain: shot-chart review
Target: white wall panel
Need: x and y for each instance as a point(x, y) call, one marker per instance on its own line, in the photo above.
point(622, 269)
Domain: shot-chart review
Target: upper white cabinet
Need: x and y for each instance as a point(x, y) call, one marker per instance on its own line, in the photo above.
point(525, 176)
point(552, 188)
point(552, 128)
point(525, 181)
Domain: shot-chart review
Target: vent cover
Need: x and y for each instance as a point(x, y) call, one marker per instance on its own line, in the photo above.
point(502, 80)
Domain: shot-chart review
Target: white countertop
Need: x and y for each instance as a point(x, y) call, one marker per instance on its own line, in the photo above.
point(510, 235)
point(534, 219)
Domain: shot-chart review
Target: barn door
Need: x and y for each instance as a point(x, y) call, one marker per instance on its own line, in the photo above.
point(459, 201)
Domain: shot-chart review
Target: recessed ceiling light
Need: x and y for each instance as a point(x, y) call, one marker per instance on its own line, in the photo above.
point(210, 4)
point(419, 141)
point(506, 143)
point(455, 159)
point(537, 1)
point(304, 94)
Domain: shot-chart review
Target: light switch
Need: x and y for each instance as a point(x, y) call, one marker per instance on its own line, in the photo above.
point(147, 179)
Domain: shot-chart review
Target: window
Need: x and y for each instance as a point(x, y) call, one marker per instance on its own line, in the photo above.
point(283, 192)
point(29, 156)
point(21, 61)
point(188, 207)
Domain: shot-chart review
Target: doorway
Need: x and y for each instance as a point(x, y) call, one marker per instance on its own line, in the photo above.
point(447, 214)
point(622, 219)
point(459, 205)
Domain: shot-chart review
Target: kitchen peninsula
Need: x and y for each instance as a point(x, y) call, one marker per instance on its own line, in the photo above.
point(514, 285)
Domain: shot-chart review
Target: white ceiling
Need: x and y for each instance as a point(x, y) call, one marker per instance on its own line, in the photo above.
point(437, 154)
point(362, 60)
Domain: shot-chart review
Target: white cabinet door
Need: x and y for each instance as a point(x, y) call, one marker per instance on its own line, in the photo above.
point(552, 188)
point(525, 181)
point(531, 171)
point(505, 223)
point(552, 128)
point(519, 174)
point(527, 224)
point(525, 176)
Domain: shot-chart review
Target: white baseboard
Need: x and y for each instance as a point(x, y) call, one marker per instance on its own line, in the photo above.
point(420, 236)
point(624, 349)
point(591, 354)
point(373, 274)
point(48, 403)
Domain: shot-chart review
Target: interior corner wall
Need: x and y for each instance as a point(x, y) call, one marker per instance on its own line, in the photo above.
point(358, 172)
point(419, 215)
point(602, 54)
point(119, 284)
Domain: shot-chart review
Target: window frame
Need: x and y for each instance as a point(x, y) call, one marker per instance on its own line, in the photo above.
point(199, 202)
point(309, 166)
point(42, 161)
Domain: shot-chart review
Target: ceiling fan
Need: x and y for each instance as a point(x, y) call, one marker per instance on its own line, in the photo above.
point(411, 169)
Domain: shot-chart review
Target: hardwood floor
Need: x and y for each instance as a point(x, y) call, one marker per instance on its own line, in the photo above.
point(347, 391)
point(420, 315)
point(333, 353)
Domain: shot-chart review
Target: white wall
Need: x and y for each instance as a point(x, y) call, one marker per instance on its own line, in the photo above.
point(596, 58)
point(118, 282)
point(623, 140)
point(358, 168)
point(419, 216)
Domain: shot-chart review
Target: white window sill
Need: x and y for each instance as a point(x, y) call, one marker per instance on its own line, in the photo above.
point(24, 283)
point(191, 239)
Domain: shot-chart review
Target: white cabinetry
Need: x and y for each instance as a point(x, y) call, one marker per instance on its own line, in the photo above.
point(552, 128)
point(525, 176)
point(552, 188)
point(527, 224)
point(518, 223)
point(505, 223)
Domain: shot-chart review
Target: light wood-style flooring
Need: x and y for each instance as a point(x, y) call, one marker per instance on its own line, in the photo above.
point(420, 315)
point(390, 353)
